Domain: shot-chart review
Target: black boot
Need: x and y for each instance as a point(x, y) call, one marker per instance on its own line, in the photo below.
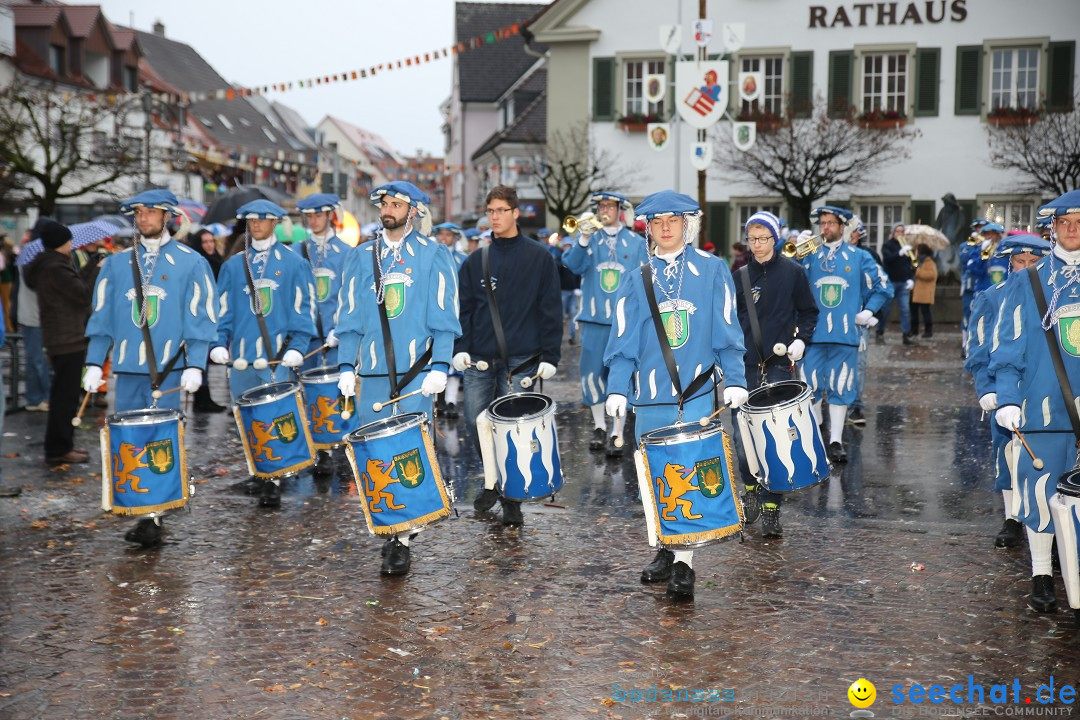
point(837, 453)
point(681, 584)
point(271, 494)
point(485, 500)
point(909, 340)
point(659, 569)
point(324, 464)
point(204, 403)
point(451, 412)
point(613, 450)
point(770, 521)
point(397, 560)
point(512, 513)
point(146, 533)
point(1010, 535)
point(599, 439)
point(1042, 594)
point(751, 503)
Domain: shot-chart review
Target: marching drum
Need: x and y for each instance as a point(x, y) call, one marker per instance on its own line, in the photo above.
point(274, 429)
point(691, 496)
point(520, 447)
point(397, 474)
point(1065, 508)
point(325, 404)
point(783, 444)
point(144, 462)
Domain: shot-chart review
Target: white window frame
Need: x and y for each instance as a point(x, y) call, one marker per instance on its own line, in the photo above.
point(890, 210)
point(1008, 96)
point(773, 95)
point(858, 85)
point(1042, 44)
point(1012, 212)
point(646, 59)
point(744, 207)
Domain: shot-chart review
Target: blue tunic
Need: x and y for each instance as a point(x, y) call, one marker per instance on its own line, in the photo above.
point(328, 266)
point(603, 265)
point(984, 314)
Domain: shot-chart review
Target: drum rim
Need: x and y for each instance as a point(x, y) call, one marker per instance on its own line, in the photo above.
point(414, 419)
point(548, 408)
point(699, 433)
point(1072, 488)
point(121, 417)
point(797, 400)
point(292, 384)
point(321, 374)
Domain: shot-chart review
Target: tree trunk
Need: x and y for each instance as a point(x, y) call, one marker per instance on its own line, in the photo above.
point(800, 212)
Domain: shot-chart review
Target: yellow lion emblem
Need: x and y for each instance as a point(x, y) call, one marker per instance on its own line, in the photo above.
point(378, 478)
point(678, 486)
point(125, 463)
point(258, 436)
point(322, 415)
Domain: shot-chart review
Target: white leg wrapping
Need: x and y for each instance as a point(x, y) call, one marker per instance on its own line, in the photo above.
point(487, 450)
point(815, 408)
point(598, 418)
point(646, 497)
point(403, 538)
point(837, 418)
point(1040, 545)
point(1013, 448)
point(1006, 495)
point(453, 387)
point(686, 556)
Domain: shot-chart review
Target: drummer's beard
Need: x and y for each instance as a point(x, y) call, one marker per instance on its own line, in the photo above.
point(392, 223)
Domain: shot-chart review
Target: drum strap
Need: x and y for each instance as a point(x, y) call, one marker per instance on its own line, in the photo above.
point(318, 314)
point(257, 307)
point(751, 312)
point(388, 339)
point(496, 321)
point(1055, 354)
point(156, 378)
point(665, 347)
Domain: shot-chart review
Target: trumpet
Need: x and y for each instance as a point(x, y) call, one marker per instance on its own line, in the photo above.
point(974, 239)
point(587, 223)
point(988, 251)
point(802, 248)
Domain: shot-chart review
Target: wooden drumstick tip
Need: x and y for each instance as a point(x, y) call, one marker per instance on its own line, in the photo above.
point(76, 421)
point(779, 349)
point(703, 422)
point(482, 365)
point(345, 414)
point(1037, 463)
point(240, 364)
point(526, 382)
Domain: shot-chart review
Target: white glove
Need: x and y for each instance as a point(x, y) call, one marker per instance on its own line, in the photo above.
point(346, 384)
point(863, 317)
point(988, 402)
point(583, 239)
point(795, 350)
point(292, 359)
point(461, 361)
point(615, 405)
point(546, 371)
point(872, 323)
point(909, 284)
point(219, 355)
point(331, 340)
point(91, 380)
point(191, 379)
point(735, 396)
point(905, 249)
point(434, 383)
point(577, 292)
point(1008, 417)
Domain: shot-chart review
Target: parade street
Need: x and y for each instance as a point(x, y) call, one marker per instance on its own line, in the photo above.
point(887, 572)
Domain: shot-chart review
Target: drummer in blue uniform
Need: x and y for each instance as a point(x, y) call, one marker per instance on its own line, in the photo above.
point(695, 287)
point(1029, 392)
point(966, 253)
point(452, 237)
point(178, 315)
point(1019, 252)
point(416, 292)
point(326, 252)
point(849, 289)
point(603, 258)
point(781, 297)
point(284, 289)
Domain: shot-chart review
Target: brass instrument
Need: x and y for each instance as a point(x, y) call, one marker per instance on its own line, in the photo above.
point(988, 251)
point(587, 223)
point(974, 239)
point(802, 248)
point(914, 258)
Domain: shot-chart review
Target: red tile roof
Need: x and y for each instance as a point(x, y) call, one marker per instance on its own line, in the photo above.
point(81, 18)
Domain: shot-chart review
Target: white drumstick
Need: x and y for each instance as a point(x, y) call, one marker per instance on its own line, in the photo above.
point(158, 393)
point(377, 407)
point(779, 349)
point(480, 365)
point(705, 420)
point(620, 420)
point(345, 412)
point(240, 364)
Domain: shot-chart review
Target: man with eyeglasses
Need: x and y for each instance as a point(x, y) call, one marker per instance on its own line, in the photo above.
point(849, 288)
point(781, 297)
point(527, 340)
point(602, 259)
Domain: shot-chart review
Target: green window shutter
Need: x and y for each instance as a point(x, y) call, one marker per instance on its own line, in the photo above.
point(841, 64)
point(927, 79)
point(845, 204)
point(922, 212)
point(969, 80)
point(717, 223)
point(1061, 60)
point(802, 84)
point(603, 88)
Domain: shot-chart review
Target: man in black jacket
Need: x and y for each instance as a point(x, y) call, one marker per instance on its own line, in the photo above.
point(64, 298)
point(787, 313)
point(896, 259)
point(525, 283)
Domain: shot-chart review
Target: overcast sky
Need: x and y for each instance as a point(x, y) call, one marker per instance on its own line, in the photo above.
point(258, 42)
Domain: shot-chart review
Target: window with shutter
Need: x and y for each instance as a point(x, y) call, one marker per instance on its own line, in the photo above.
point(840, 62)
point(717, 220)
point(603, 88)
point(969, 80)
point(927, 79)
point(1061, 59)
point(802, 84)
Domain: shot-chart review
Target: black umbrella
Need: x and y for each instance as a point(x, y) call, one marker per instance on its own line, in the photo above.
point(223, 210)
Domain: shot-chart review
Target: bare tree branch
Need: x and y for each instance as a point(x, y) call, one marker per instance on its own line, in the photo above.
point(1043, 156)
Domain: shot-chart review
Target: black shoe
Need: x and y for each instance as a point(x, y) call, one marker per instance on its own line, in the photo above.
point(147, 533)
point(770, 521)
point(485, 500)
point(208, 406)
point(659, 569)
point(880, 338)
point(599, 439)
point(396, 560)
point(451, 412)
point(856, 417)
point(837, 453)
point(271, 495)
point(1042, 594)
point(751, 503)
point(681, 584)
point(324, 464)
point(613, 450)
point(512, 513)
point(928, 334)
point(1010, 535)
point(909, 340)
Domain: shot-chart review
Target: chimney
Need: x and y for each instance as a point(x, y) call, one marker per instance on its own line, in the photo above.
point(159, 28)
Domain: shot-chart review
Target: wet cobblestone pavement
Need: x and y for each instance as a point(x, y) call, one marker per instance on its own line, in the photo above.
point(248, 613)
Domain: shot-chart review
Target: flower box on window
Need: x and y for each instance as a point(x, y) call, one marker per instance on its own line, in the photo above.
point(882, 120)
point(1006, 116)
point(638, 122)
point(767, 122)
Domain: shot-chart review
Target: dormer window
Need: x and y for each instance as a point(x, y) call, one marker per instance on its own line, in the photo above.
point(130, 79)
point(58, 59)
